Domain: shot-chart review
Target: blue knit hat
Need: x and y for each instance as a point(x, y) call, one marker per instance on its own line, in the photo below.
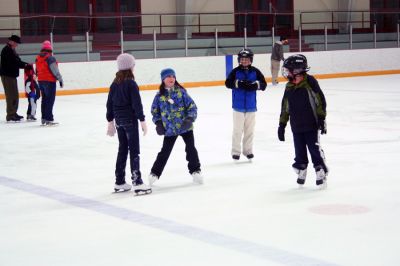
point(167, 72)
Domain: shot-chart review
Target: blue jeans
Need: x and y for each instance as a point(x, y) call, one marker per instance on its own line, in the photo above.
point(128, 136)
point(48, 91)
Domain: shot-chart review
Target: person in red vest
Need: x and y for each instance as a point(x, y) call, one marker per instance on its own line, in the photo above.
point(48, 73)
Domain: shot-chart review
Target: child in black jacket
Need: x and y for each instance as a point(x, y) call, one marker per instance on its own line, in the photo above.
point(124, 106)
point(304, 103)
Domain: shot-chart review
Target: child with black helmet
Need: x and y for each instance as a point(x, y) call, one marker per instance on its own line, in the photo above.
point(244, 81)
point(304, 104)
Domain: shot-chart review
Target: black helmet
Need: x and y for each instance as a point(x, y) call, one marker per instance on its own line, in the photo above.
point(295, 64)
point(245, 53)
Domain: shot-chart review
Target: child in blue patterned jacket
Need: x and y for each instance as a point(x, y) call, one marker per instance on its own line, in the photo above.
point(174, 112)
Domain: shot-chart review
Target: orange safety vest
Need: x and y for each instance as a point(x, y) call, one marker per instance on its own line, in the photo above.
point(43, 70)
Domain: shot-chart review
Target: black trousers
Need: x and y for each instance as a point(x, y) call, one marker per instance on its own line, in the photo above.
point(191, 153)
point(310, 140)
point(128, 136)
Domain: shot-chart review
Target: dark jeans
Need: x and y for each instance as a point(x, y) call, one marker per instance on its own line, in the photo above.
point(309, 140)
point(48, 91)
point(128, 136)
point(191, 153)
point(12, 97)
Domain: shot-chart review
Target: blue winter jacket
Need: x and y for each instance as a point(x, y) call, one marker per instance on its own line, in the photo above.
point(245, 100)
point(172, 108)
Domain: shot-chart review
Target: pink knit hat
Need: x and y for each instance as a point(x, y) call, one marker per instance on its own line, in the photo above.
point(46, 45)
point(125, 61)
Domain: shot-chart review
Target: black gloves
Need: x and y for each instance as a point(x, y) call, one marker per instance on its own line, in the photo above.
point(61, 83)
point(247, 85)
point(160, 128)
point(251, 86)
point(281, 132)
point(187, 123)
point(322, 126)
point(241, 83)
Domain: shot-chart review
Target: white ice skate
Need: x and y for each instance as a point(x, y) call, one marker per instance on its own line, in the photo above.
point(321, 179)
point(122, 188)
point(301, 176)
point(152, 179)
point(197, 177)
point(141, 189)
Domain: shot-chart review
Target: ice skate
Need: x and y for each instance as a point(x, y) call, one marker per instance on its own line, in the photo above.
point(140, 188)
point(321, 179)
point(47, 123)
point(235, 157)
point(13, 119)
point(122, 188)
point(250, 157)
point(197, 177)
point(31, 118)
point(152, 179)
point(301, 176)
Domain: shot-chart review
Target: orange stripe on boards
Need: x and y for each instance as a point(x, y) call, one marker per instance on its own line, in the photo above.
point(220, 82)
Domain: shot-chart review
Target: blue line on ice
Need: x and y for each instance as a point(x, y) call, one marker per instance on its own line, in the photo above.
point(193, 233)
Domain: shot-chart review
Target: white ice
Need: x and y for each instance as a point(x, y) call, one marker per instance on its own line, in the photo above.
point(57, 206)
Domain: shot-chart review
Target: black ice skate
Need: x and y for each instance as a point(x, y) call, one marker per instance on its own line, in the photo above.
point(236, 157)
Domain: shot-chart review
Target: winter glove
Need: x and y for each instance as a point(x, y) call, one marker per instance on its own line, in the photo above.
point(281, 132)
point(37, 94)
point(144, 127)
point(32, 95)
point(187, 123)
point(160, 128)
point(61, 83)
point(111, 129)
point(251, 86)
point(241, 84)
point(322, 126)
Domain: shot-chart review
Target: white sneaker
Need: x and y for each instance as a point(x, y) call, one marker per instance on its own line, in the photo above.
point(197, 177)
point(142, 189)
point(123, 187)
point(152, 179)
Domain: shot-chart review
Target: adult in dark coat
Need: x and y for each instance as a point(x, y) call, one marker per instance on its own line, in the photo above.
point(9, 71)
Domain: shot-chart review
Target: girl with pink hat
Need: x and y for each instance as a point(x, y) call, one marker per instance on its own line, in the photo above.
point(48, 73)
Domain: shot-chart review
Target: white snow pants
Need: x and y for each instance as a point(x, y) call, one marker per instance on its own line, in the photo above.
point(243, 125)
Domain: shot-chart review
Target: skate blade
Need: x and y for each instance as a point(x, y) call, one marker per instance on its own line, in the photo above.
point(141, 192)
point(121, 190)
point(50, 125)
point(323, 186)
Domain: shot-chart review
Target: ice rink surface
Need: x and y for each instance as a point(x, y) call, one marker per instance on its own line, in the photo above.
point(57, 206)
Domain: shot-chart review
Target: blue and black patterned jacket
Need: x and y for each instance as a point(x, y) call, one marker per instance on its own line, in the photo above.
point(172, 108)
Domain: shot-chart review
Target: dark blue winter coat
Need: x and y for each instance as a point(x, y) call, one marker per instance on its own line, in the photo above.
point(245, 100)
point(124, 102)
point(303, 104)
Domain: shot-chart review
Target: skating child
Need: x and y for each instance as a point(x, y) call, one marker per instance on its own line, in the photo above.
point(304, 104)
point(48, 74)
point(174, 112)
point(32, 92)
point(124, 108)
point(244, 81)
